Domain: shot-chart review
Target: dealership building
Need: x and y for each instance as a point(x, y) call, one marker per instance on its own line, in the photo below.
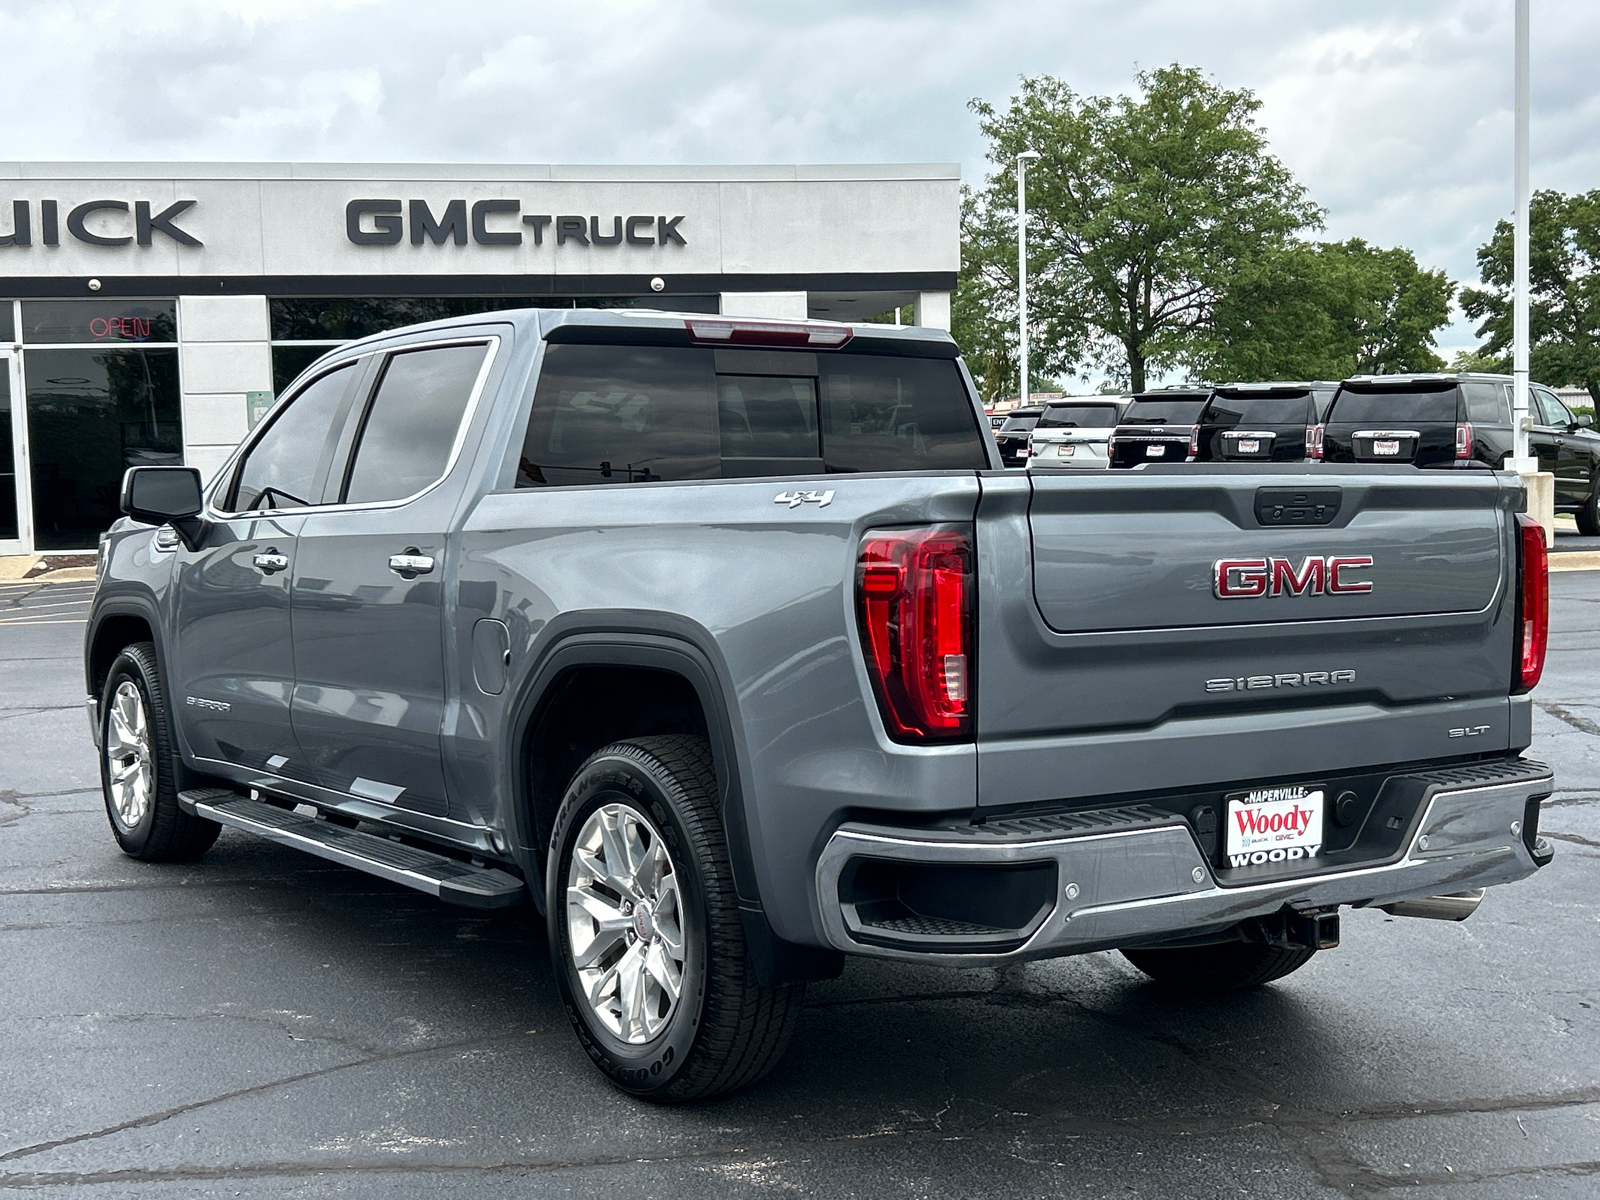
point(150, 312)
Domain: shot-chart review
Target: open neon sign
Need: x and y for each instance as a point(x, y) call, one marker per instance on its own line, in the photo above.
point(131, 329)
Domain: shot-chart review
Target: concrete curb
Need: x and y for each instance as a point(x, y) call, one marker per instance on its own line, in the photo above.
point(1576, 560)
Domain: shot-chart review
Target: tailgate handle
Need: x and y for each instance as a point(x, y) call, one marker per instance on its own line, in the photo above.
point(1297, 506)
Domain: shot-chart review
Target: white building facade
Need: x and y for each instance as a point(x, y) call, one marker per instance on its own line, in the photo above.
point(148, 310)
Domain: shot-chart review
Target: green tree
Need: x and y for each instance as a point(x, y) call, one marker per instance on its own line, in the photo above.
point(1563, 291)
point(1327, 311)
point(1140, 213)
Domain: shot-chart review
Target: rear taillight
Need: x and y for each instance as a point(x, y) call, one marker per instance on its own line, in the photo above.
point(1533, 606)
point(914, 592)
point(1194, 439)
point(1314, 440)
point(1463, 440)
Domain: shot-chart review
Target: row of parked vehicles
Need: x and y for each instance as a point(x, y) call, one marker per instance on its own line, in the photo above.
point(1451, 421)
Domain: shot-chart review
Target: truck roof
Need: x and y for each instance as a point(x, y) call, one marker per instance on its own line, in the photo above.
point(708, 329)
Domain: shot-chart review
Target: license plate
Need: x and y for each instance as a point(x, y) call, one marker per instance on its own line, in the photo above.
point(1274, 825)
point(1389, 447)
point(1155, 451)
point(1249, 445)
point(1065, 451)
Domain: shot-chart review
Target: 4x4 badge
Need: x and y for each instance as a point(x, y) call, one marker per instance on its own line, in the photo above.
point(796, 499)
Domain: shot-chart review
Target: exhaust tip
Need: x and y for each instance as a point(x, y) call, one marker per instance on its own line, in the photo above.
point(1455, 907)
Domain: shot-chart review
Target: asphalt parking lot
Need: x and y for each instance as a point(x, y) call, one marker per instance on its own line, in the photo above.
point(264, 1024)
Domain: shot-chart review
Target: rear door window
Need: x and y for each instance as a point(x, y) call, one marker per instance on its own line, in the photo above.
point(1378, 408)
point(411, 424)
point(280, 471)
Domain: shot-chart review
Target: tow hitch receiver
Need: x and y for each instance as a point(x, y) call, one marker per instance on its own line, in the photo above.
point(1314, 930)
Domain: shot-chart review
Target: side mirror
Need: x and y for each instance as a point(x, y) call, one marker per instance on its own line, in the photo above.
point(165, 496)
point(1585, 421)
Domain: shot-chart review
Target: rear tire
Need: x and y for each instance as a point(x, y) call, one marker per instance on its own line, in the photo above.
point(141, 771)
point(645, 933)
point(1228, 967)
point(1589, 514)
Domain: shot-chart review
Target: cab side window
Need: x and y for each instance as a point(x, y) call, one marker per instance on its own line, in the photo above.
point(410, 427)
point(621, 414)
point(280, 470)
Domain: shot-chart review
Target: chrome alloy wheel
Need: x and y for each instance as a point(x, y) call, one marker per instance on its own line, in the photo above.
point(130, 765)
point(625, 922)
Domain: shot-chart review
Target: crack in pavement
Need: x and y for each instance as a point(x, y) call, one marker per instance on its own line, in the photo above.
point(166, 1114)
point(1311, 1132)
point(1578, 838)
point(1562, 713)
point(1372, 1184)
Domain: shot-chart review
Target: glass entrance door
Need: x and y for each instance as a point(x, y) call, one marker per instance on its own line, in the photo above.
point(13, 534)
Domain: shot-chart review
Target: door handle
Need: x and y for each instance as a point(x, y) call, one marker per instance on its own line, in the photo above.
point(271, 561)
point(412, 562)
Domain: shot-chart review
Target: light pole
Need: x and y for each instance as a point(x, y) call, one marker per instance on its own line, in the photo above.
point(1519, 241)
point(1023, 159)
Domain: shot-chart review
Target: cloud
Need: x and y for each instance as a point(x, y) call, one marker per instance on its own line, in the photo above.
point(1397, 118)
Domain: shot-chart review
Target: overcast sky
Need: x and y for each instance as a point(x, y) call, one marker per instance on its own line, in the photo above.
point(1395, 115)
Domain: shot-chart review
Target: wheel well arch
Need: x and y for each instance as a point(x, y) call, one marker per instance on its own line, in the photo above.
point(113, 632)
point(587, 706)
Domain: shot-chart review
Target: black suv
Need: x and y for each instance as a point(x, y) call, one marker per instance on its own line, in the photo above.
point(1158, 426)
point(1012, 437)
point(1460, 419)
point(1260, 422)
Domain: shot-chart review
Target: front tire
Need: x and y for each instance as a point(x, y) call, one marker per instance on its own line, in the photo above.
point(1228, 967)
point(645, 933)
point(141, 771)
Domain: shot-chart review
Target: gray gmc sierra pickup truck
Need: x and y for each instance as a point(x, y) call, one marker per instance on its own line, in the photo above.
point(732, 647)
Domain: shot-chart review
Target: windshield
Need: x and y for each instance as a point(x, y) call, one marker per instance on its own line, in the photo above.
point(1261, 410)
point(1366, 408)
point(1079, 416)
point(1020, 423)
point(1165, 412)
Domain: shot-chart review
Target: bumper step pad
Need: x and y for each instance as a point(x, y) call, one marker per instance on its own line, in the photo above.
point(437, 874)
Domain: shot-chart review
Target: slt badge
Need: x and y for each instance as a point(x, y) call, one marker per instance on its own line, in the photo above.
point(796, 499)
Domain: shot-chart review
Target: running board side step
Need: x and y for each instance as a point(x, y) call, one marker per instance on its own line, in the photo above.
point(437, 874)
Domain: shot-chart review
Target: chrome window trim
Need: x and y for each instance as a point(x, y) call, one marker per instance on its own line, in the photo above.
point(469, 414)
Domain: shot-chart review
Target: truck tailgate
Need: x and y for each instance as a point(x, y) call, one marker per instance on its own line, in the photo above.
point(1202, 624)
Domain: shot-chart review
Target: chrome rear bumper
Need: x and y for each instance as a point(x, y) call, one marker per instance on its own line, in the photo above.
point(1134, 874)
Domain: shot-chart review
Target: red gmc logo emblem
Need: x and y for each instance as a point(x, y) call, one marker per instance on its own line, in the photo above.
point(1242, 578)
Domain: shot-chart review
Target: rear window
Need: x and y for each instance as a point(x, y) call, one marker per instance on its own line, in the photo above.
point(1363, 407)
point(883, 413)
point(635, 414)
point(1078, 416)
point(1165, 412)
point(1486, 403)
point(1261, 410)
point(1021, 423)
